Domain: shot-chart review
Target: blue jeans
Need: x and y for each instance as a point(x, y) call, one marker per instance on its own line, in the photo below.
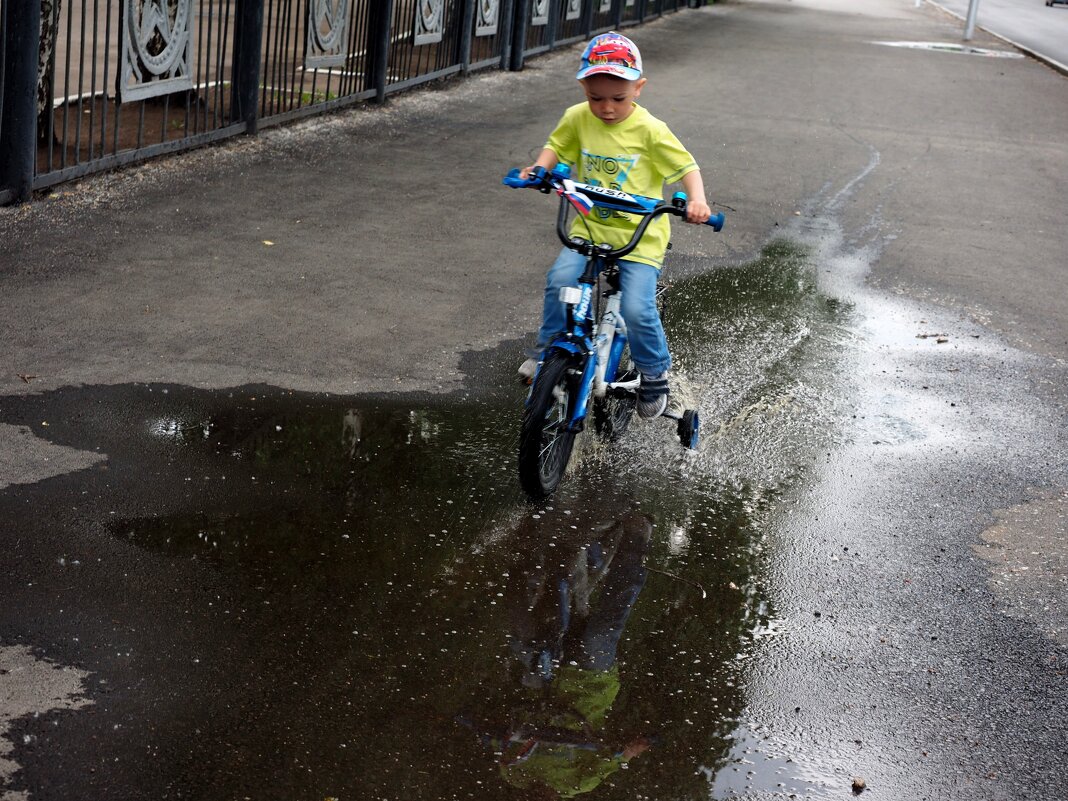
point(637, 282)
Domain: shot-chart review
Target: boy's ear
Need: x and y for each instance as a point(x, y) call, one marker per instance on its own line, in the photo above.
point(638, 84)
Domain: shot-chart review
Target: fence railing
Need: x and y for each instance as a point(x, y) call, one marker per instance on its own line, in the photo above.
point(90, 85)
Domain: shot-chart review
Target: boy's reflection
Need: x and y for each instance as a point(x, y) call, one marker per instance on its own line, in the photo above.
point(570, 604)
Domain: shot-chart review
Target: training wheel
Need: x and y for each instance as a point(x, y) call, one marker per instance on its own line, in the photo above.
point(689, 429)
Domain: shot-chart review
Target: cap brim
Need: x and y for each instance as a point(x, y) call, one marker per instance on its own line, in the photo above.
point(626, 73)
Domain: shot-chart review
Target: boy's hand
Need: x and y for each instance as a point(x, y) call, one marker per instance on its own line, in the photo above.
point(547, 159)
point(697, 211)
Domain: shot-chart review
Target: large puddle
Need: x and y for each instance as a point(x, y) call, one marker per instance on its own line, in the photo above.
point(293, 596)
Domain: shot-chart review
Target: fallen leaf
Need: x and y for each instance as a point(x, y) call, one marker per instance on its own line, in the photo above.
point(268, 242)
point(26, 378)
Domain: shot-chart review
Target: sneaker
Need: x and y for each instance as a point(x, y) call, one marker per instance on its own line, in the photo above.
point(528, 368)
point(652, 395)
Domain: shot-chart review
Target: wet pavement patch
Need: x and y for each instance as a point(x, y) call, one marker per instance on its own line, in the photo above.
point(292, 595)
point(954, 47)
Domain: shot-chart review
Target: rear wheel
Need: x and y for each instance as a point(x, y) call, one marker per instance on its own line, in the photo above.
point(612, 413)
point(545, 441)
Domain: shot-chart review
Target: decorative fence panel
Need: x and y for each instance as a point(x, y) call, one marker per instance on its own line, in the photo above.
point(96, 84)
point(119, 82)
point(317, 54)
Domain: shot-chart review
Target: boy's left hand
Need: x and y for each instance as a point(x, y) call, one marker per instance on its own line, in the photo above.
point(697, 211)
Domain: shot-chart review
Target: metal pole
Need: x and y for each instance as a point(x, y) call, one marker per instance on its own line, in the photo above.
point(969, 23)
point(18, 139)
point(3, 58)
point(248, 56)
point(587, 19)
point(554, 24)
point(380, 31)
point(467, 34)
point(504, 31)
point(519, 34)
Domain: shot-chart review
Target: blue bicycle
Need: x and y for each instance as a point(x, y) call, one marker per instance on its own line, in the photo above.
point(590, 359)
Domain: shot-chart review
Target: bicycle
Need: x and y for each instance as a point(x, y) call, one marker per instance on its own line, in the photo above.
point(584, 361)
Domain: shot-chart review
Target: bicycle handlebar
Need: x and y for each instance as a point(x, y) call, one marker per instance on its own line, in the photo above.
point(647, 207)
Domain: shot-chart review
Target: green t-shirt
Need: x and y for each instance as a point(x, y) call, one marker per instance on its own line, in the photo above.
point(638, 155)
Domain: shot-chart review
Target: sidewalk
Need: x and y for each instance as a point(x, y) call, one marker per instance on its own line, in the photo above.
point(368, 251)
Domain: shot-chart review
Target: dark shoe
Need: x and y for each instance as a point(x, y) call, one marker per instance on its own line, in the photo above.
point(652, 396)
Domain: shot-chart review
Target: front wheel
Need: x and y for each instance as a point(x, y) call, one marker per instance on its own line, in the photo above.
point(545, 440)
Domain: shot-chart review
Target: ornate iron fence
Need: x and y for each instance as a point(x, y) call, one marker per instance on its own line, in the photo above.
point(89, 85)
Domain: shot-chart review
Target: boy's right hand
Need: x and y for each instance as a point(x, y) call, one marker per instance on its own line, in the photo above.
point(547, 159)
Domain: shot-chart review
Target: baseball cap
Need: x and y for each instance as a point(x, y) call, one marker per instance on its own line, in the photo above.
point(611, 54)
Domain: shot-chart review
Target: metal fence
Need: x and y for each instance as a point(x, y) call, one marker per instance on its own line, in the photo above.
point(89, 85)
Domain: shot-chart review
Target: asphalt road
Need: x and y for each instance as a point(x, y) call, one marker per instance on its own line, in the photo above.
point(261, 534)
point(1030, 23)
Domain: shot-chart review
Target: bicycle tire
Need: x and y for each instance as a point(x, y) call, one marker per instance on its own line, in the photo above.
point(545, 441)
point(612, 413)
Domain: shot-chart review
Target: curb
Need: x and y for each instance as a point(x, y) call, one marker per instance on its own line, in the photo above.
point(1049, 62)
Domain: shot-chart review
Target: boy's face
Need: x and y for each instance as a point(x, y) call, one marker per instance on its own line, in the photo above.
point(611, 99)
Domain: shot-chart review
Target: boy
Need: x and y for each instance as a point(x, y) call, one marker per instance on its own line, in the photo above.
point(612, 141)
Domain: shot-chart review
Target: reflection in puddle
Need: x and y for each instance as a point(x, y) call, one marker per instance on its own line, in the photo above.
point(389, 613)
point(613, 663)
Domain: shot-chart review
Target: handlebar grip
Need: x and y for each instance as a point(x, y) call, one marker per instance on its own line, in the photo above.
point(716, 221)
point(513, 180)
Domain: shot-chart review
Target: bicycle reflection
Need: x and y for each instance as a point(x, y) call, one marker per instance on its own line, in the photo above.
point(570, 599)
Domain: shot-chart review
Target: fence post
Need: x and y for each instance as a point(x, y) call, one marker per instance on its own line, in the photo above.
point(587, 19)
point(248, 57)
point(18, 137)
point(504, 31)
point(519, 34)
point(555, 6)
point(467, 33)
point(378, 34)
point(618, 15)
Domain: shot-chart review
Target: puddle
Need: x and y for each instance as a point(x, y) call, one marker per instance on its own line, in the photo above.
point(358, 584)
point(954, 47)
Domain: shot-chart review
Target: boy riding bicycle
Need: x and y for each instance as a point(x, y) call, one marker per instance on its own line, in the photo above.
point(612, 141)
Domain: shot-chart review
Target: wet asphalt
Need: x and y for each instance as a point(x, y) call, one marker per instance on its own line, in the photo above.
point(262, 532)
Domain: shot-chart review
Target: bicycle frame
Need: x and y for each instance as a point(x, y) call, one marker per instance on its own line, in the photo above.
point(600, 352)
